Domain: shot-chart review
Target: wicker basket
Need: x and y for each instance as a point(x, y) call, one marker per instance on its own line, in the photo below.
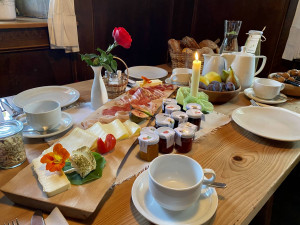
point(184, 60)
point(115, 90)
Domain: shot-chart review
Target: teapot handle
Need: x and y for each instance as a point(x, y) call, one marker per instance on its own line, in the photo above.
point(262, 64)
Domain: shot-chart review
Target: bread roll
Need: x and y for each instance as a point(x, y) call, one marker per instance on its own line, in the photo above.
point(174, 46)
point(189, 42)
point(208, 43)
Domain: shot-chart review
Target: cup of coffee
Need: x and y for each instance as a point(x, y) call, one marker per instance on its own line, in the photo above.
point(43, 115)
point(175, 181)
point(267, 88)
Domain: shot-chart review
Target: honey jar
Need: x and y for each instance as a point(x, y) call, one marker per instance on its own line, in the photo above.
point(148, 146)
point(166, 139)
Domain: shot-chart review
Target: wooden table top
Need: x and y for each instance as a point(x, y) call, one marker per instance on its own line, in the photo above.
point(252, 167)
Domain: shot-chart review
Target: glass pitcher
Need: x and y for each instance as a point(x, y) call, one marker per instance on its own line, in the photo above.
point(232, 29)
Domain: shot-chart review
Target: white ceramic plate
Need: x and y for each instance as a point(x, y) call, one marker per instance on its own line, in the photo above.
point(29, 132)
point(169, 81)
point(150, 72)
point(269, 122)
point(64, 95)
point(199, 213)
point(278, 99)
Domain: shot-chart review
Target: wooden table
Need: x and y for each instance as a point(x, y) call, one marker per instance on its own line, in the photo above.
point(253, 168)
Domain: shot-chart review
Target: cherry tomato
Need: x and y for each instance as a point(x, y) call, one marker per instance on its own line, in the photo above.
point(110, 142)
point(101, 146)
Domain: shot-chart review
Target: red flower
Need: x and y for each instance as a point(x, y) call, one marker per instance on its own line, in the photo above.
point(55, 160)
point(122, 37)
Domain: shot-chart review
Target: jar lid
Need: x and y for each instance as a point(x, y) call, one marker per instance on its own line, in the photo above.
point(10, 127)
point(167, 101)
point(193, 106)
point(148, 138)
point(173, 107)
point(188, 125)
point(194, 113)
point(184, 132)
point(178, 115)
point(167, 121)
point(162, 116)
point(165, 132)
point(148, 129)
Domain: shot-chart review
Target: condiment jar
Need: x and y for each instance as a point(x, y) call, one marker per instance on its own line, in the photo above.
point(179, 117)
point(193, 106)
point(12, 151)
point(167, 101)
point(188, 125)
point(166, 139)
point(183, 139)
point(163, 120)
point(195, 116)
point(148, 146)
point(148, 130)
point(172, 108)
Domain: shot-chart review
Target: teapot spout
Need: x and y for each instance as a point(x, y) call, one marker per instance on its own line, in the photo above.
point(229, 58)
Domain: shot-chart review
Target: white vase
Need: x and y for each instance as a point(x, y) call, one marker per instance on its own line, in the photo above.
point(7, 10)
point(99, 93)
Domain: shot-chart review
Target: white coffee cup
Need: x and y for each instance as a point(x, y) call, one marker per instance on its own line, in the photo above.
point(267, 88)
point(43, 115)
point(175, 181)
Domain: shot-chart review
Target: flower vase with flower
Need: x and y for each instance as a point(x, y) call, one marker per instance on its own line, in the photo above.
point(105, 59)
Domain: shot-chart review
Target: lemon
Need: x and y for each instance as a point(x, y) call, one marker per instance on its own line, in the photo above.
point(213, 76)
point(204, 80)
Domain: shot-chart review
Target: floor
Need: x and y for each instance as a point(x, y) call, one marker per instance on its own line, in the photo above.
point(286, 202)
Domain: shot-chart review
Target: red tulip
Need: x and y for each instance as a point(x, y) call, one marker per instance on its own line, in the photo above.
point(122, 37)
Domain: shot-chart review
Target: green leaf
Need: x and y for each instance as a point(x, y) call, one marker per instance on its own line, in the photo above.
point(76, 179)
point(114, 65)
point(107, 67)
point(100, 50)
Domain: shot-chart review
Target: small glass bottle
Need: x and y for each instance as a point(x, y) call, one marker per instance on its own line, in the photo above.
point(167, 101)
point(164, 120)
point(172, 108)
point(184, 139)
point(148, 146)
point(166, 139)
point(12, 151)
point(195, 116)
point(179, 117)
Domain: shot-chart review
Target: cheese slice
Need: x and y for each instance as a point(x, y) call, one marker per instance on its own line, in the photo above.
point(117, 129)
point(56, 182)
point(153, 83)
point(132, 128)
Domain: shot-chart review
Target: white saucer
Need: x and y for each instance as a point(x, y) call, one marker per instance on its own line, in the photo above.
point(199, 213)
point(150, 72)
point(169, 81)
point(29, 132)
point(278, 99)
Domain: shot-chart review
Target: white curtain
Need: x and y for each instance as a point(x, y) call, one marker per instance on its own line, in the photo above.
point(292, 47)
point(62, 25)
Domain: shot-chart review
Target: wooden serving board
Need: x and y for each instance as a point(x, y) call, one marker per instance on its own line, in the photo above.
point(79, 201)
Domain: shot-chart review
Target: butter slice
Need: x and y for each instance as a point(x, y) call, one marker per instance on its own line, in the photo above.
point(132, 128)
point(54, 183)
point(153, 83)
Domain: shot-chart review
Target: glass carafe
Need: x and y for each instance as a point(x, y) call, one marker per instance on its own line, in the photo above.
point(232, 29)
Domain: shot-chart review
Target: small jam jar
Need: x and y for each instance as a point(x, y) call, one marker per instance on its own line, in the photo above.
point(183, 139)
point(193, 106)
point(179, 117)
point(195, 116)
point(167, 101)
point(166, 139)
point(148, 146)
point(172, 108)
point(189, 125)
point(12, 151)
point(148, 130)
point(163, 120)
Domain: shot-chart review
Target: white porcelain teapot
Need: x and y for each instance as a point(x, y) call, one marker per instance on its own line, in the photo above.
point(213, 62)
point(243, 64)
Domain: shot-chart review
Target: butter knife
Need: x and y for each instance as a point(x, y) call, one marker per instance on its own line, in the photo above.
point(37, 218)
point(5, 114)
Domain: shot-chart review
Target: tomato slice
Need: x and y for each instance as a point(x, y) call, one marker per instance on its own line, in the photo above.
point(110, 142)
point(101, 146)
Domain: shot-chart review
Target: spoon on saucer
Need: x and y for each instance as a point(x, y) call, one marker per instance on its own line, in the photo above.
point(217, 185)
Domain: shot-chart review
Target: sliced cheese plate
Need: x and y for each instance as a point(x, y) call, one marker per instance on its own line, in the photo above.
point(79, 201)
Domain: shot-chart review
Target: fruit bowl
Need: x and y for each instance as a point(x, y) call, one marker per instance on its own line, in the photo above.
point(220, 96)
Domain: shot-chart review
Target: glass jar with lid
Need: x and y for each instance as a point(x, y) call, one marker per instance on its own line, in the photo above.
point(12, 151)
point(148, 146)
point(167, 101)
point(179, 117)
point(195, 116)
point(166, 139)
point(193, 106)
point(164, 120)
point(189, 125)
point(172, 108)
point(184, 139)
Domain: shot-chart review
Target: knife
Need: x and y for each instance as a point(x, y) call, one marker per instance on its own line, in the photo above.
point(37, 218)
point(5, 114)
